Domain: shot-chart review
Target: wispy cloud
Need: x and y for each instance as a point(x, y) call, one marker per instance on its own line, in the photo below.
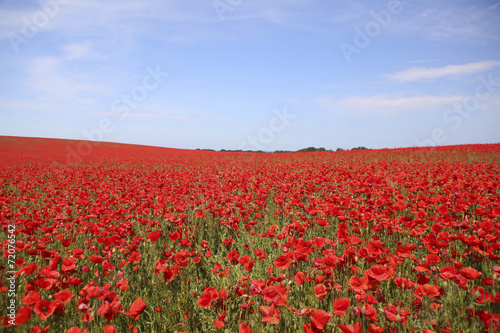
point(425, 73)
point(494, 6)
point(383, 104)
point(51, 77)
point(77, 50)
point(447, 21)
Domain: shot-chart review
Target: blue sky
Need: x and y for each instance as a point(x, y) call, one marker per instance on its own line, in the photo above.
point(252, 74)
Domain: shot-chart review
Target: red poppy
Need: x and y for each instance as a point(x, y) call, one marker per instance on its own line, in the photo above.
point(358, 284)
point(31, 297)
point(470, 273)
point(351, 328)
point(27, 270)
point(45, 308)
point(282, 262)
point(232, 257)
point(369, 311)
point(181, 258)
point(109, 310)
point(340, 306)
point(481, 295)
point(448, 272)
point(154, 235)
point(244, 328)
point(174, 236)
point(136, 308)
point(270, 314)
point(300, 278)
point(432, 259)
point(23, 315)
point(320, 290)
point(261, 254)
point(320, 318)
point(379, 272)
point(375, 329)
point(207, 297)
point(219, 321)
point(96, 259)
point(247, 262)
point(393, 313)
point(109, 329)
point(63, 296)
point(403, 283)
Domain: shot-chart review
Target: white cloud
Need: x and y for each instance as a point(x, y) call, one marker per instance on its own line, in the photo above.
point(492, 7)
point(50, 77)
point(425, 73)
point(385, 105)
point(445, 20)
point(75, 51)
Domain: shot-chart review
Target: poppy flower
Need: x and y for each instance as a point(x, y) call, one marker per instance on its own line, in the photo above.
point(282, 262)
point(154, 235)
point(369, 311)
point(470, 273)
point(31, 297)
point(320, 290)
point(319, 318)
point(261, 254)
point(181, 258)
point(109, 329)
point(270, 314)
point(45, 308)
point(23, 315)
point(448, 272)
point(379, 272)
point(244, 328)
point(392, 313)
point(358, 284)
point(403, 283)
point(136, 308)
point(480, 295)
point(96, 259)
point(340, 306)
point(174, 236)
point(207, 297)
point(232, 257)
point(351, 328)
point(247, 262)
point(27, 270)
point(38, 329)
point(432, 259)
point(219, 321)
point(375, 329)
point(109, 310)
point(63, 296)
point(300, 278)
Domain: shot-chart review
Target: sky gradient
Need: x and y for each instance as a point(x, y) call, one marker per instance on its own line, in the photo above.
point(241, 74)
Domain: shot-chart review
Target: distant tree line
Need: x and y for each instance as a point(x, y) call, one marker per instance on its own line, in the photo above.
point(303, 150)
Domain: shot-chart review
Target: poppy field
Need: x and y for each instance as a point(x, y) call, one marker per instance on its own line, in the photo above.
point(105, 237)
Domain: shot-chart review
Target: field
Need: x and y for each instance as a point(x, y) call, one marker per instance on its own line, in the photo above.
point(122, 238)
